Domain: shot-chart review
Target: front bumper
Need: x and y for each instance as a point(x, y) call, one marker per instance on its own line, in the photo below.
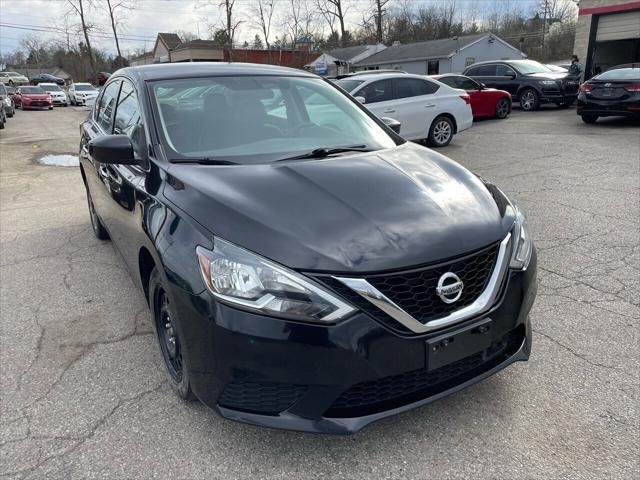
point(36, 104)
point(338, 379)
point(60, 101)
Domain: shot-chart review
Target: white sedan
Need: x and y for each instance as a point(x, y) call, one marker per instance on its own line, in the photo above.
point(82, 94)
point(56, 93)
point(426, 109)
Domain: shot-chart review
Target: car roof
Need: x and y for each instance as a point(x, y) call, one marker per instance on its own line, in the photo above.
point(383, 76)
point(48, 84)
point(442, 75)
point(207, 69)
point(516, 61)
point(81, 83)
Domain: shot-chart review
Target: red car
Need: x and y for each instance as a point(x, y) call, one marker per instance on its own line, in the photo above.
point(485, 102)
point(32, 97)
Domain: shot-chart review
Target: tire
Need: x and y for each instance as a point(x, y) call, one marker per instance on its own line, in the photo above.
point(440, 132)
point(502, 108)
point(98, 228)
point(11, 82)
point(1, 124)
point(529, 100)
point(166, 325)
point(50, 108)
point(589, 118)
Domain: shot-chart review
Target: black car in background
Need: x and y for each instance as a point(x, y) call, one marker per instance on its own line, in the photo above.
point(306, 268)
point(46, 78)
point(614, 93)
point(530, 83)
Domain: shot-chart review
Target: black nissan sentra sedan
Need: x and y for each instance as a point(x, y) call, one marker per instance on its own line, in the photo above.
point(614, 93)
point(305, 267)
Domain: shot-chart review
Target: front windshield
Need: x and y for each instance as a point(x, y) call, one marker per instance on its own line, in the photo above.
point(51, 88)
point(257, 119)
point(527, 67)
point(31, 90)
point(84, 88)
point(348, 85)
point(620, 74)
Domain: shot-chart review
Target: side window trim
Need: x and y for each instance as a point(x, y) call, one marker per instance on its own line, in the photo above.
point(135, 169)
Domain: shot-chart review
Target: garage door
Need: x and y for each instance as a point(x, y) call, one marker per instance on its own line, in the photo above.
point(619, 26)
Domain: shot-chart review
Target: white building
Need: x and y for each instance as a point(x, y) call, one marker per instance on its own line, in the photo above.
point(341, 60)
point(447, 55)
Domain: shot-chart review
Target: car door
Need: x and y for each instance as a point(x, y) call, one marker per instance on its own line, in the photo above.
point(100, 123)
point(125, 180)
point(416, 106)
point(506, 78)
point(378, 97)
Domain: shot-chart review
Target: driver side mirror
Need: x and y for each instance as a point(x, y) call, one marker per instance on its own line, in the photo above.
point(392, 123)
point(512, 76)
point(361, 99)
point(113, 149)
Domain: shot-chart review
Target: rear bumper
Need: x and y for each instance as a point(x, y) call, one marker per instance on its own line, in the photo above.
point(609, 108)
point(276, 373)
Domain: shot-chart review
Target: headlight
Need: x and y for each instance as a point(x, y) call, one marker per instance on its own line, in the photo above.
point(522, 246)
point(7, 101)
point(548, 82)
point(241, 278)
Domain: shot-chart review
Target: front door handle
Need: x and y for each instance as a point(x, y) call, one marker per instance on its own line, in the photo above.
point(429, 105)
point(390, 110)
point(107, 174)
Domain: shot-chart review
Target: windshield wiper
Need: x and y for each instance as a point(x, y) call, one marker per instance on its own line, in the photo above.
point(325, 152)
point(203, 161)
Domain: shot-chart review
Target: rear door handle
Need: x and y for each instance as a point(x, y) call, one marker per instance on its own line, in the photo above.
point(390, 110)
point(429, 105)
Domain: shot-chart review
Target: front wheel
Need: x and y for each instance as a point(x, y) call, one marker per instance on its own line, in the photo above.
point(441, 132)
point(589, 118)
point(50, 108)
point(502, 108)
point(529, 100)
point(98, 229)
point(165, 322)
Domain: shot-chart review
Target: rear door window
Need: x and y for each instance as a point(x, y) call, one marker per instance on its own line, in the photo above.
point(414, 87)
point(504, 71)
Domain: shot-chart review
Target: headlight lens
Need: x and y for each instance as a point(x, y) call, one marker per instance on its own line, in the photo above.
point(522, 246)
point(239, 277)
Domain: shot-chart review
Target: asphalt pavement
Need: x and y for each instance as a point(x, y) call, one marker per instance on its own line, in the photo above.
point(83, 394)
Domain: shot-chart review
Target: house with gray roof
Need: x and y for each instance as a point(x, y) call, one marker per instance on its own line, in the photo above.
point(445, 55)
point(341, 60)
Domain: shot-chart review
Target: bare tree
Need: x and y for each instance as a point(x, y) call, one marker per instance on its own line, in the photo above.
point(380, 12)
point(114, 7)
point(230, 24)
point(34, 46)
point(337, 10)
point(79, 8)
point(298, 22)
point(263, 14)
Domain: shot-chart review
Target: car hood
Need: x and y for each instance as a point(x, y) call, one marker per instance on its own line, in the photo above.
point(549, 76)
point(366, 212)
point(36, 96)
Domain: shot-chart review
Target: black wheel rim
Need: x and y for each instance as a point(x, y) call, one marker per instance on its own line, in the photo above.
point(168, 336)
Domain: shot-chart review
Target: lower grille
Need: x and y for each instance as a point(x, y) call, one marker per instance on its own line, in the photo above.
point(263, 398)
point(391, 392)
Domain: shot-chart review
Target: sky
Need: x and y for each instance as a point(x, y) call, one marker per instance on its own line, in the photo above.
point(138, 31)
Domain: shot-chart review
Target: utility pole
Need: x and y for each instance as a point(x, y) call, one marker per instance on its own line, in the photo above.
point(544, 28)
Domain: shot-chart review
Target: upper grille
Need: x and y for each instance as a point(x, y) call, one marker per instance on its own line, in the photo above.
point(415, 290)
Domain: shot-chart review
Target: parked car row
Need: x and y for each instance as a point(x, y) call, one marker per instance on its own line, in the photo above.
point(16, 79)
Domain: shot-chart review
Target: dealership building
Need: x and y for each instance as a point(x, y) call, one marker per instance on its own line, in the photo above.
point(607, 34)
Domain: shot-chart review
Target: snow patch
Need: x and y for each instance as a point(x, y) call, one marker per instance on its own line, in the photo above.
point(60, 160)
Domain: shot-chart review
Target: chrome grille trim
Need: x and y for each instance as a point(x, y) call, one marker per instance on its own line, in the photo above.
point(486, 299)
